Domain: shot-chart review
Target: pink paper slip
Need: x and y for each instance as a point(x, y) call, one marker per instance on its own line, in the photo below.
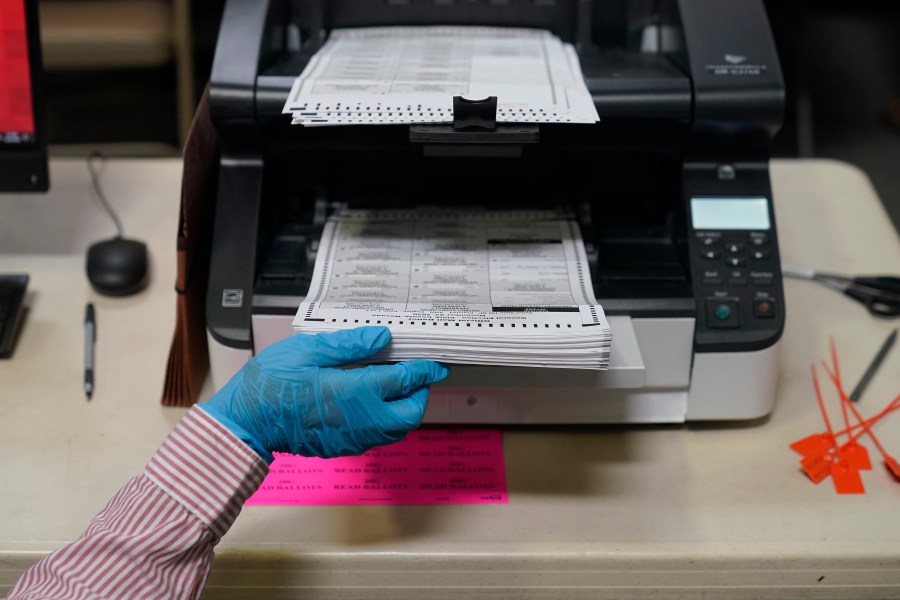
point(431, 466)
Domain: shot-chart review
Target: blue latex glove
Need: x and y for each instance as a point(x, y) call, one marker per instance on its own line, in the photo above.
point(286, 399)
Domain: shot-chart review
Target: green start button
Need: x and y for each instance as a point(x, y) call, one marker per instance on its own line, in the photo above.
point(722, 313)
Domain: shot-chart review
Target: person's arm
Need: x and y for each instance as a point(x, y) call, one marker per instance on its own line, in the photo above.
point(155, 537)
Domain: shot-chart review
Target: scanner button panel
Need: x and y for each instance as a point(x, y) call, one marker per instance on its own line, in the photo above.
point(738, 282)
point(744, 312)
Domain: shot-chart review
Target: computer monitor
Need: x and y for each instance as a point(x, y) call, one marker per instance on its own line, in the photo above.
point(23, 145)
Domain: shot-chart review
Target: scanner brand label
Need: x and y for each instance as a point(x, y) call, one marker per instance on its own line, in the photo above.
point(735, 64)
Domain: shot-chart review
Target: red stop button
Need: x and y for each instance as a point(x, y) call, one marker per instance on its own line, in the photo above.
point(764, 309)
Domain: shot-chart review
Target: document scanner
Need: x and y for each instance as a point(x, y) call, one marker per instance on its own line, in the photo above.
point(671, 190)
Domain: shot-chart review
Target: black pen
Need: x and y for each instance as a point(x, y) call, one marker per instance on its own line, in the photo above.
point(873, 366)
point(90, 336)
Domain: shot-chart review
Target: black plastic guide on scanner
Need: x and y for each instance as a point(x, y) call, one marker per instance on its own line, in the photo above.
point(476, 115)
point(475, 122)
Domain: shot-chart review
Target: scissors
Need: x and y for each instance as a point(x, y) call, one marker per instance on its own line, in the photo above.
point(880, 294)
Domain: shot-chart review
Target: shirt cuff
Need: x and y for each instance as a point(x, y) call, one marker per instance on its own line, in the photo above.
point(207, 469)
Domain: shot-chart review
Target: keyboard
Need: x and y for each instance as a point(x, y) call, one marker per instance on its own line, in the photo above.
point(12, 311)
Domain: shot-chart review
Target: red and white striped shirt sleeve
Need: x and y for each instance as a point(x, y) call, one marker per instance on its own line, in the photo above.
point(155, 538)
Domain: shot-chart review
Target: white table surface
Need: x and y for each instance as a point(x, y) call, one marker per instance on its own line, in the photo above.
point(602, 512)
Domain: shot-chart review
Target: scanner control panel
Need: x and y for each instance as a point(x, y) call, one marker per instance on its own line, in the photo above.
point(736, 271)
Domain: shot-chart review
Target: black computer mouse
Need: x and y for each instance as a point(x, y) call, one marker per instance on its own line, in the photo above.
point(117, 267)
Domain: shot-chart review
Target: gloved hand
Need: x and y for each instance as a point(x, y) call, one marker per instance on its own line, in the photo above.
point(286, 399)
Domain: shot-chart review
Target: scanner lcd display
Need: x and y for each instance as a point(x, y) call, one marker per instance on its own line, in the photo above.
point(730, 213)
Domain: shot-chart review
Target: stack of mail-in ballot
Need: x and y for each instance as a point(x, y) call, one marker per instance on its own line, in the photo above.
point(460, 286)
point(383, 75)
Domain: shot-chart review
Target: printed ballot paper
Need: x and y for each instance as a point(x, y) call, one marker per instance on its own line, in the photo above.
point(468, 286)
point(384, 75)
